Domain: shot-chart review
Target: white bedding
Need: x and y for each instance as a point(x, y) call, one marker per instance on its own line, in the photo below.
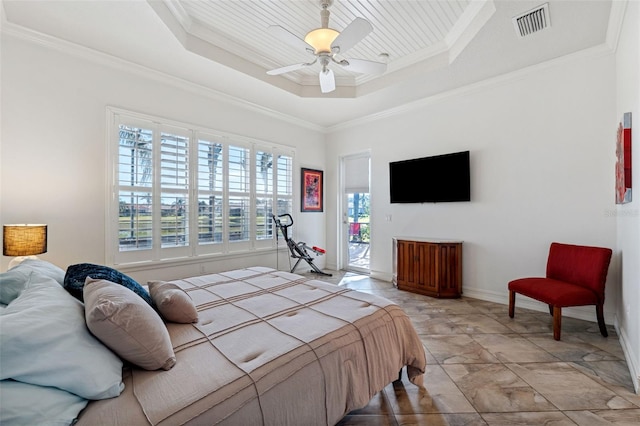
point(270, 348)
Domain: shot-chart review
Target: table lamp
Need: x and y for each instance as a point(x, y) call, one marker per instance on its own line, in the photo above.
point(23, 241)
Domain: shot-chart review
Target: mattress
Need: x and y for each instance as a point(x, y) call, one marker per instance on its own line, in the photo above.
point(270, 348)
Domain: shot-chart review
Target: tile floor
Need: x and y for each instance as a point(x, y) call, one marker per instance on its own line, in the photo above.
point(485, 368)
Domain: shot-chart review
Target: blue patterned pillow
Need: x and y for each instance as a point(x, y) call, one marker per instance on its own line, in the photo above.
point(77, 274)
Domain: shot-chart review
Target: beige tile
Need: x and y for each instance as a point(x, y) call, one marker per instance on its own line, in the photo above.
point(614, 375)
point(457, 349)
point(513, 348)
point(440, 395)
point(567, 388)
point(609, 344)
point(367, 420)
point(573, 347)
point(454, 307)
point(525, 323)
point(479, 324)
point(486, 307)
point(429, 324)
point(430, 358)
point(606, 417)
point(574, 325)
point(549, 418)
point(486, 368)
point(495, 388)
point(465, 419)
point(379, 405)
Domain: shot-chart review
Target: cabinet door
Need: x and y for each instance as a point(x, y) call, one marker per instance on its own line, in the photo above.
point(433, 269)
point(426, 267)
point(405, 268)
point(450, 270)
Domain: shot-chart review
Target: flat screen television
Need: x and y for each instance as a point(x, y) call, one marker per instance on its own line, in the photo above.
point(435, 179)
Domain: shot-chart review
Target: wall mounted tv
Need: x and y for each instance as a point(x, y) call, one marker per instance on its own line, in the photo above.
point(436, 179)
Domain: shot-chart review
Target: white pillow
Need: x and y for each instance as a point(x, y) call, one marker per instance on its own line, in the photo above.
point(26, 404)
point(45, 341)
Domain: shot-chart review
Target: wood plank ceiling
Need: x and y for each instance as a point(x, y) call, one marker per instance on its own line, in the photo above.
point(408, 31)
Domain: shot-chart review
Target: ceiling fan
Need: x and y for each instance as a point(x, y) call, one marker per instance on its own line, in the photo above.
point(325, 44)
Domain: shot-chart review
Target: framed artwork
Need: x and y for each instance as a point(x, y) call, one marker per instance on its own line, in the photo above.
point(312, 187)
point(623, 160)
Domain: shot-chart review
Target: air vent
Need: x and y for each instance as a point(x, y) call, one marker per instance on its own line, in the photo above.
point(532, 21)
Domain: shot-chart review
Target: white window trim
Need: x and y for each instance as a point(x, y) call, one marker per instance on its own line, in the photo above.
point(193, 252)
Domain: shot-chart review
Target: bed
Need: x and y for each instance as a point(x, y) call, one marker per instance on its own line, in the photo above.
point(268, 348)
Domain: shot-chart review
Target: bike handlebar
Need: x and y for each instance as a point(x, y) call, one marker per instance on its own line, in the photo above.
point(277, 221)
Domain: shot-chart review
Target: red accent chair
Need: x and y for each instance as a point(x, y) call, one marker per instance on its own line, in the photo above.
point(576, 276)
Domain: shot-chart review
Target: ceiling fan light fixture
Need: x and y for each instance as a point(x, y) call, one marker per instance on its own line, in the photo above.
point(325, 43)
point(321, 39)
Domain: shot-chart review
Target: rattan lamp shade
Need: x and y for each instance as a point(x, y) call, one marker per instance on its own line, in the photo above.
point(24, 240)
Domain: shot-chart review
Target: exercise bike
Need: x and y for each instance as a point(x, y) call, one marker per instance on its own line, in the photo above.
point(298, 250)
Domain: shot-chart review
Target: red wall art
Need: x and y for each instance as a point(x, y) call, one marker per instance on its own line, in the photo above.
point(311, 197)
point(623, 160)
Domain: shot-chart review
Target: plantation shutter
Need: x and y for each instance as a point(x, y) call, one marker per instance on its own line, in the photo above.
point(239, 190)
point(284, 185)
point(174, 187)
point(135, 187)
point(178, 192)
point(210, 194)
point(264, 194)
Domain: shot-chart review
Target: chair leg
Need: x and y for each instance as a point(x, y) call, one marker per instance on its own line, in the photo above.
point(600, 316)
point(512, 303)
point(557, 322)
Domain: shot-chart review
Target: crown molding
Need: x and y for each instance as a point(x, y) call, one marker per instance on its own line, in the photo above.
point(232, 53)
point(592, 52)
point(616, 19)
point(94, 56)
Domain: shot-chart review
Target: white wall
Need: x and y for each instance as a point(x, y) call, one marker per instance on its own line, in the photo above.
point(53, 145)
point(628, 100)
point(542, 153)
point(542, 157)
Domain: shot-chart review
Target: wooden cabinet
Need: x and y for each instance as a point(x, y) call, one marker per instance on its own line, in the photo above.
point(428, 266)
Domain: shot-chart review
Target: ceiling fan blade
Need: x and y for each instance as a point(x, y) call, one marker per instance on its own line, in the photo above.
point(288, 68)
point(363, 66)
point(327, 81)
point(288, 37)
point(358, 29)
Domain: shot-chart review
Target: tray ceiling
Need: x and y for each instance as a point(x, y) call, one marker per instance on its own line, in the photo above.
point(431, 53)
point(405, 33)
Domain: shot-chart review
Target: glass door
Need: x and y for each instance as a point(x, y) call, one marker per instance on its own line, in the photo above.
point(359, 238)
point(356, 213)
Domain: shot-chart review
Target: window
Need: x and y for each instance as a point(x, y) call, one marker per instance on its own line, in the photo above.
point(180, 192)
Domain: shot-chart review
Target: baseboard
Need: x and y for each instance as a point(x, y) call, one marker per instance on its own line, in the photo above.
point(382, 276)
point(630, 357)
point(332, 266)
point(587, 313)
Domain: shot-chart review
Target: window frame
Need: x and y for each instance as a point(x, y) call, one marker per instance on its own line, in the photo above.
point(195, 248)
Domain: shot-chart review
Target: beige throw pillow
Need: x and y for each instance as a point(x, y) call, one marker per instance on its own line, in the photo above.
point(173, 303)
point(127, 325)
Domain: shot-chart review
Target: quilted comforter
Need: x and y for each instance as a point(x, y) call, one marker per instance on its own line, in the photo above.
point(270, 348)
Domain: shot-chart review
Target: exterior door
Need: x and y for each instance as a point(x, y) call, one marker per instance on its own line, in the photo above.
point(356, 213)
